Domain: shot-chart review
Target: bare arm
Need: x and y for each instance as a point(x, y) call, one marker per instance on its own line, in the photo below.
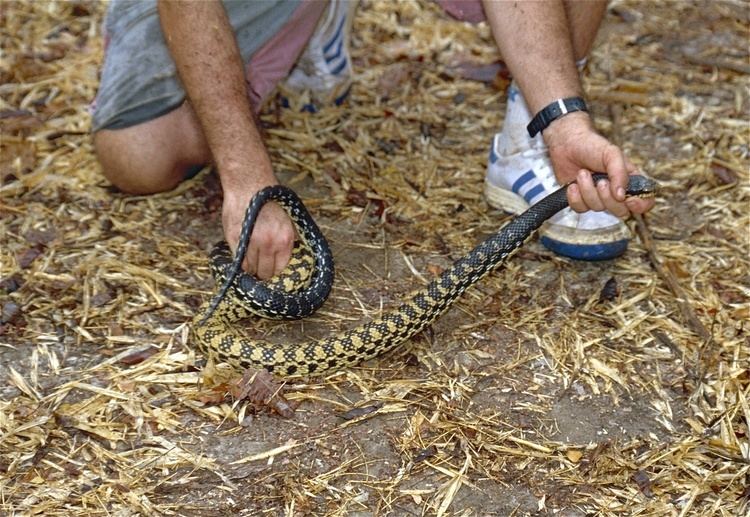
point(536, 44)
point(208, 61)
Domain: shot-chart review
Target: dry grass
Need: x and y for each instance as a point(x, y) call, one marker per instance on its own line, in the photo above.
point(532, 394)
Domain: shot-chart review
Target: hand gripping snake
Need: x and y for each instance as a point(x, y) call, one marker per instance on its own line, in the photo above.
point(304, 286)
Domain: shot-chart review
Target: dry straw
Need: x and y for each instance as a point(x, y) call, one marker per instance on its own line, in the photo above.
point(540, 391)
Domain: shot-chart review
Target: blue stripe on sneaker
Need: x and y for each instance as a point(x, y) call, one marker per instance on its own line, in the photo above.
point(523, 180)
point(332, 41)
point(339, 67)
point(532, 193)
point(493, 154)
point(336, 54)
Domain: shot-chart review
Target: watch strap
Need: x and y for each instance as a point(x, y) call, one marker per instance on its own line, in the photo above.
point(554, 111)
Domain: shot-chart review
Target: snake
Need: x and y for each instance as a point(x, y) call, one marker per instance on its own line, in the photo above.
point(306, 282)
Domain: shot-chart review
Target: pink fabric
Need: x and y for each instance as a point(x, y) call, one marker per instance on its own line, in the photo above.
point(464, 10)
point(274, 60)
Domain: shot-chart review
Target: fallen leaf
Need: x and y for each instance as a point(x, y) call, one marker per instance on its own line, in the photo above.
point(10, 312)
point(127, 386)
point(434, 269)
point(610, 291)
point(356, 197)
point(138, 356)
point(80, 9)
point(260, 388)
point(12, 121)
point(27, 257)
point(488, 73)
point(424, 454)
point(333, 145)
point(11, 284)
point(677, 269)
point(102, 297)
point(392, 78)
point(643, 481)
point(15, 113)
point(43, 237)
point(724, 175)
point(215, 395)
point(574, 455)
point(358, 412)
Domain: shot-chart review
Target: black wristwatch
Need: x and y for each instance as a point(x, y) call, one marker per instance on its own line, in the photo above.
point(554, 111)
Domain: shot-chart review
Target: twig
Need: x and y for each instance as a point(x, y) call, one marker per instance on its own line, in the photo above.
point(717, 62)
point(681, 297)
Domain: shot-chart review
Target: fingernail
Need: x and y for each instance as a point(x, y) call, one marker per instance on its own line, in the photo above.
point(620, 192)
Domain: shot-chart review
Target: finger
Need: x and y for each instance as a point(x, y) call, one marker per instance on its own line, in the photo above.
point(616, 168)
point(282, 259)
point(613, 206)
point(574, 199)
point(639, 205)
point(632, 169)
point(250, 264)
point(265, 264)
point(589, 193)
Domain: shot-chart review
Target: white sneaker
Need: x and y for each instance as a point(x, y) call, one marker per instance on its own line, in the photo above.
point(323, 73)
point(516, 181)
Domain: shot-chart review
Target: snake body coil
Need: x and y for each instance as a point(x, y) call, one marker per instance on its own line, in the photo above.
point(216, 336)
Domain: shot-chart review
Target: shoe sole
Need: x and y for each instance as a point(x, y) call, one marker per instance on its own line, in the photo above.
point(602, 244)
point(503, 199)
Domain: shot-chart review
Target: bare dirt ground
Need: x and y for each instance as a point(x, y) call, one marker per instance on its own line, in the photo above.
point(552, 388)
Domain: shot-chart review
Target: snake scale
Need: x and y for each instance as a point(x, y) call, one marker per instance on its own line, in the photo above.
point(299, 291)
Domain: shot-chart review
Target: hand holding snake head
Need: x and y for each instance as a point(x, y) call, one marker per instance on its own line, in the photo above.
point(576, 149)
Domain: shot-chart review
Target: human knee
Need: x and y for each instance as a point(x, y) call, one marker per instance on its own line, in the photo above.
point(132, 169)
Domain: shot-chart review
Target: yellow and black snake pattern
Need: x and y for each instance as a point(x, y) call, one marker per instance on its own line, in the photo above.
point(302, 291)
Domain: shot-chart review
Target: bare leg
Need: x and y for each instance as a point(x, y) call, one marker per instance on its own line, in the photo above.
point(152, 156)
point(584, 19)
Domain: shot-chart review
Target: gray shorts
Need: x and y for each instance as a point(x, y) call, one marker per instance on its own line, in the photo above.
point(139, 80)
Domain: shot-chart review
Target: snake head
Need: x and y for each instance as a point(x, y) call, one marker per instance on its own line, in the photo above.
point(641, 186)
point(638, 186)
